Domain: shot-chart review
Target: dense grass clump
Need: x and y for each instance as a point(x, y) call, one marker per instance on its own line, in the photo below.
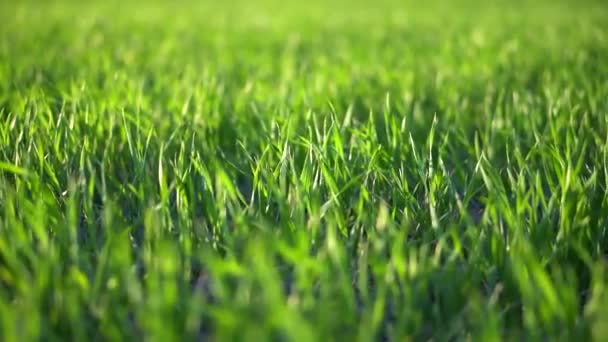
point(303, 171)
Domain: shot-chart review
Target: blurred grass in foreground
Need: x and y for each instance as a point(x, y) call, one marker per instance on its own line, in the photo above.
point(290, 171)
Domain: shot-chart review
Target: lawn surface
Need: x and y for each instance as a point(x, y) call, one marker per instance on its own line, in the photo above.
point(307, 171)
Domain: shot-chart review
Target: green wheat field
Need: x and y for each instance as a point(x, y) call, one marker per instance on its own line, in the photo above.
point(303, 171)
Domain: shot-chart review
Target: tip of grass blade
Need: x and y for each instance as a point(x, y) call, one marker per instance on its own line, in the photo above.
point(14, 169)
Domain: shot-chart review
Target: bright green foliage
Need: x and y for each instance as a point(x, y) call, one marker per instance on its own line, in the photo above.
point(314, 171)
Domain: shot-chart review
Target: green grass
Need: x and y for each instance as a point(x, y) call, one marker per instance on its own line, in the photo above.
point(303, 171)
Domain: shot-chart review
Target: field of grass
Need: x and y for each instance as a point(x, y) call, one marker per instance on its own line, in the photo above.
point(310, 171)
